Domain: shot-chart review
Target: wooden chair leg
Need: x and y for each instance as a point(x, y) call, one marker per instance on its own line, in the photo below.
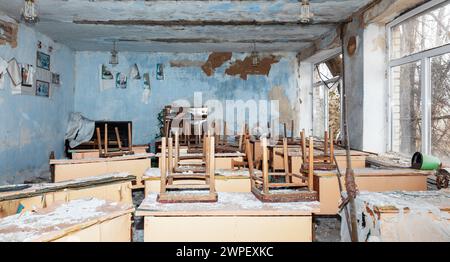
point(311, 164)
point(163, 165)
point(265, 166)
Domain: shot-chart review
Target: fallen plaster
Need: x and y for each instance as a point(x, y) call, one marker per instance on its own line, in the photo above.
point(286, 113)
point(401, 216)
point(245, 67)
point(215, 60)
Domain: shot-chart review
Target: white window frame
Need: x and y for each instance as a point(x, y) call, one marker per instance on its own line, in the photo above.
point(424, 57)
point(321, 85)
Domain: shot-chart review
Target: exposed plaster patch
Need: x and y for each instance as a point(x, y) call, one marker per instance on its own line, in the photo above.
point(186, 63)
point(379, 43)
point(215, 60)
point(1, 100)
point(245, 67)
point(10, 33)
point(286, 112)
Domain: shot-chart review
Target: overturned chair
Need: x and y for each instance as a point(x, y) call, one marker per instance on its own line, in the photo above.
point(178, 187)
point(287, 191)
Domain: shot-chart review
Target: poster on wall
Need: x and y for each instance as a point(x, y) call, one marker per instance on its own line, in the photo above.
point(14, 72)
point(159, 71)
point(106, 78)
point(42, 88)
point(27, 73)
point(147, 81)
point(55, 79)
point(43, 60)
point(3, 66)
point(134, 72)
point(121, 80)
point(15, 76)
point(147, 89)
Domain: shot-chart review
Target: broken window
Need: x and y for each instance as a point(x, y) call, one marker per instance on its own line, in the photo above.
point(327, 102)
point(420, 81)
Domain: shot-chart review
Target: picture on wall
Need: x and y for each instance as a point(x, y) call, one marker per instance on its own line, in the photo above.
point(121, 80)
point(55, 79)
point(27, 72)
point(146, 80)
point(43, 60)
point(107, 73)
point(3, 66)
point(159, 71)
point(134, 72)
point(42, 88)
point(14, 72)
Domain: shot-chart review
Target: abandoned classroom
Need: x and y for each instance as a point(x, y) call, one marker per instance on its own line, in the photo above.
point(224, 121)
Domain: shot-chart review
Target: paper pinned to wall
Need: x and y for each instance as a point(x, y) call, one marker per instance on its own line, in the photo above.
point(14, 73)
point(145, 96)
point(134, 72)
point(3, 66)
point(28, 74)
point(106, 78)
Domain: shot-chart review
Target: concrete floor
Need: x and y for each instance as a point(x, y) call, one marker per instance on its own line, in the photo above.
point(326, 229)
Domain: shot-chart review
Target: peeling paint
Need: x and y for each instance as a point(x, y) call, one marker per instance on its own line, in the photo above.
point(186, 63)
point(245, 67)
point(9, 32)
point(286, 111)
point(215, 60)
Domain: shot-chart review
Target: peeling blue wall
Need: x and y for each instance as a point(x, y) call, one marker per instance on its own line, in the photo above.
point(31, 126)
point(179, 83)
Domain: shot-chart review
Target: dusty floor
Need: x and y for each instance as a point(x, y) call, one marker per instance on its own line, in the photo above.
point(326, 229)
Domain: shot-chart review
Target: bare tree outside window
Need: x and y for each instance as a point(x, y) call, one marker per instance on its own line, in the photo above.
point(429, 30)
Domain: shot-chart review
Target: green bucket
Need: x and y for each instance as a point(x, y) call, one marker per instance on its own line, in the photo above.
point(425, 162)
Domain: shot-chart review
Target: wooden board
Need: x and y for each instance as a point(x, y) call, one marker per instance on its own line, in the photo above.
point(367, 179)
point(77, 220)
point(45, 195)
point(73, 169)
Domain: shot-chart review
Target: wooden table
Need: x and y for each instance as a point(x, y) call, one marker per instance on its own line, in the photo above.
point(226, 181)
point(94, 153)
point(82, 220)
point(404, 216)
point(222, 160)
point(68, 169)
point(236, 217)
point(367, 179)
point(113, 187)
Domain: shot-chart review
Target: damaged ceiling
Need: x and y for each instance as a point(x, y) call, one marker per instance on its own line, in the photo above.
point(186, 26)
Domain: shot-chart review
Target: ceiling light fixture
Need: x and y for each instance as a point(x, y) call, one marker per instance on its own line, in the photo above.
point(255, 56)
point(305, 12)
point(29, 13)
point(114, 60)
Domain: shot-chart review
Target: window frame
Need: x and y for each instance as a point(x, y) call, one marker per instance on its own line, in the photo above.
point(424, 57)
point(320, 84)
